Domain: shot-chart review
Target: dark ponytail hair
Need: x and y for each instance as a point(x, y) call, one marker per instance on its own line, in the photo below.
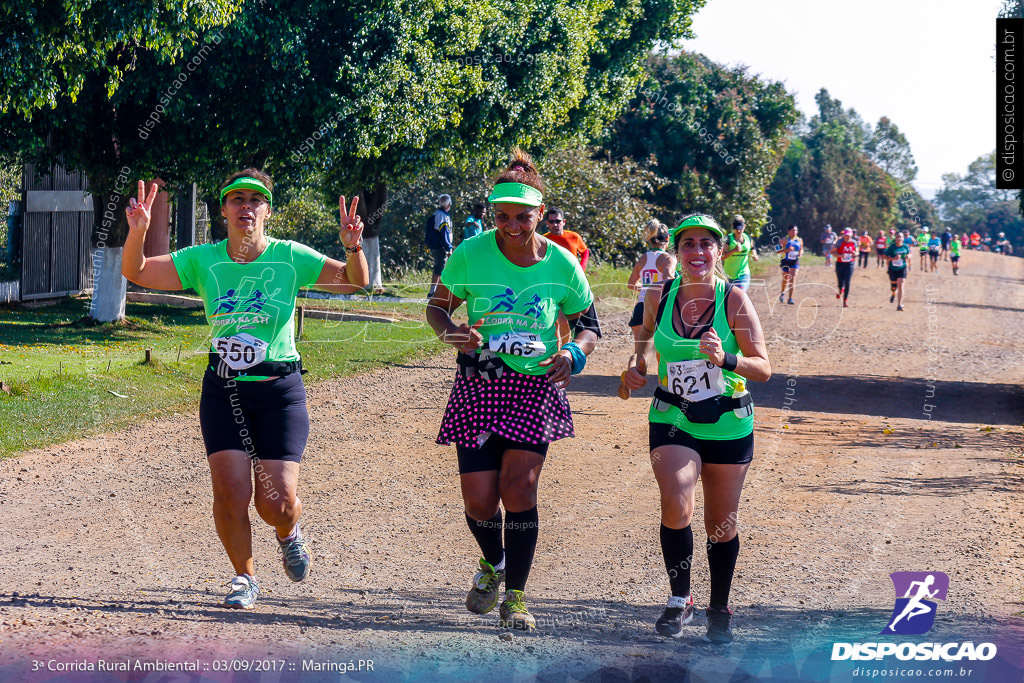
point(521, 169)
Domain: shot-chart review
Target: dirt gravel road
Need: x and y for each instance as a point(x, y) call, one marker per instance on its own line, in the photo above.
point(885, 441)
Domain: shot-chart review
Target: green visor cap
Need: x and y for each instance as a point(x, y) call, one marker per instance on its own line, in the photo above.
point(516, 193)
point(699, 221)
point(247, 183)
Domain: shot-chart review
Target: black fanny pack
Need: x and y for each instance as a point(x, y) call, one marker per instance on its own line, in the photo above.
point(267, 368)
point(485, 364)
point(703, 412)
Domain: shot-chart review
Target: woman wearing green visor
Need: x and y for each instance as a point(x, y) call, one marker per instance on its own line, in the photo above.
point(253, 406)
point(508, 400)
point(709, 342)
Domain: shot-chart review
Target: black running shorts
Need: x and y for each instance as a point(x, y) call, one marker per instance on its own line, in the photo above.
point(488, 457)
point(728, 452)
point(897, 273)
point(268, 420)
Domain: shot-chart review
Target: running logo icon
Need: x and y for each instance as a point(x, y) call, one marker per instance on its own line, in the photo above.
point(914, 612)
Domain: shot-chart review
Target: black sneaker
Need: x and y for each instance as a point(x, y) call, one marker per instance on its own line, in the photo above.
point(719, 631)
point(892, 298)
point(679, 611)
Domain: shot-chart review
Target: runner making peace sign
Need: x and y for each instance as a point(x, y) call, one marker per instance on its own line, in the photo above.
point(253, 406)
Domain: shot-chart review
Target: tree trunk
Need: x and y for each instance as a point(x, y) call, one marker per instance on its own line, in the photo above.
point(373, 203)
point(109, 286)
point(218, 226)
point(108, 234)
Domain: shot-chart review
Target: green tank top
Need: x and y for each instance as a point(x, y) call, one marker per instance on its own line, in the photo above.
point(739, 263)
point(671, 348)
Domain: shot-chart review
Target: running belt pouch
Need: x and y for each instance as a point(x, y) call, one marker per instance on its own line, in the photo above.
point(266, 368)
point(703, 412)
point(487, 366)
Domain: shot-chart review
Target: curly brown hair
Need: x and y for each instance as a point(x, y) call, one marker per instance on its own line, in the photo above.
point(521, 169)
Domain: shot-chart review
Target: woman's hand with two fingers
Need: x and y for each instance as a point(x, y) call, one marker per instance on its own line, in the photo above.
point(140, 210)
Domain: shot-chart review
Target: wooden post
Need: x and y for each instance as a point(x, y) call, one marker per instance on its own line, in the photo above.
point(149, 356)
point(301, 310)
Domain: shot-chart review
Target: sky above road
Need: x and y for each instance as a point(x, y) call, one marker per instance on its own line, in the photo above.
point(927, 65)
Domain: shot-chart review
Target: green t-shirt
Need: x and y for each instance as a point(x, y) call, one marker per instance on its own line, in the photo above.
point(739, 263)
point(954, 247)
point(900, 253)
point(250, 306)
point(519, 305)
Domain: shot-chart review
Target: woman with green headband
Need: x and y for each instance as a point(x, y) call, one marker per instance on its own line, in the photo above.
point(709, 342)
point(253, 407)
point(508, 401)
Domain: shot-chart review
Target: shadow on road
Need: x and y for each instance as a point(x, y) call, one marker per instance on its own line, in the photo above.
point(885, 397)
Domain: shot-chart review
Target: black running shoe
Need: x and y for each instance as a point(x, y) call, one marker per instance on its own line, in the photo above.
point(679, 611)
point(892, 298)
point(719, 631)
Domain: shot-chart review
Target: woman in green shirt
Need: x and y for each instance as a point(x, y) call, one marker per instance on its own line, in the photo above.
point(709, 342)
point(739, 249)
point(508, 400)
point(253, 406)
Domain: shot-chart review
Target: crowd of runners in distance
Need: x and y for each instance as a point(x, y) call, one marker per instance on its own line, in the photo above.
point(893, 251)
point(528, 326)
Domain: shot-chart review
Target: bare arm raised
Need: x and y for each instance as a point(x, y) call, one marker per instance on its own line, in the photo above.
point(155, 272)
point(353, 274)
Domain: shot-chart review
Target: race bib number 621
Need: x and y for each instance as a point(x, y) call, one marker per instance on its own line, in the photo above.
point(241, 351)
point(695, 380)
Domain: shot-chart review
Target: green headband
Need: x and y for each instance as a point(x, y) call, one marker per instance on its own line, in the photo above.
point(247, 183)
point(516, 193)
point(699, 221)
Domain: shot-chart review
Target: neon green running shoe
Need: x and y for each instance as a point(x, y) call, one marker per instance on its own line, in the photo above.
point(514, 614)
point(483, 596)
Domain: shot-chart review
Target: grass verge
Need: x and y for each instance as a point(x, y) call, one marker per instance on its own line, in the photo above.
point(68, 380)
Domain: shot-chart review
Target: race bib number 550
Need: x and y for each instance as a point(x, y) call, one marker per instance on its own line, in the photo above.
point(695, 380)
point(241, 351)
point(515, 343)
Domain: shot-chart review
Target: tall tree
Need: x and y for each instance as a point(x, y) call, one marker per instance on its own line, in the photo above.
point(49, 49)
point(972, 202)
point(889, 148)
point(366, 96)
point(829, 175)
point(716, 134)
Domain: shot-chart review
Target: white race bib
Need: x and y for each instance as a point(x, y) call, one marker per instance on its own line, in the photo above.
point(897, 263)
point(695, 380)
point(516, 343)
point(241, 351)
point(846, 258)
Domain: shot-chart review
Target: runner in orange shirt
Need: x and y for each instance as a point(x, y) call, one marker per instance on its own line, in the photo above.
point(566, 238)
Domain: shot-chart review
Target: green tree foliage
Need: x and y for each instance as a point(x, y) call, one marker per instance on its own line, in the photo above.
point(972, 202)
point(49, 50)
point(716, 134)
point(841, 172)
point(360, 94)
point(890, 150)
point(600, 197)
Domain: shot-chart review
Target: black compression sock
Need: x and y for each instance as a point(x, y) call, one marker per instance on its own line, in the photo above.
point(722, 563)
point(520, 544)
point(488, 537)
point(677, 548)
